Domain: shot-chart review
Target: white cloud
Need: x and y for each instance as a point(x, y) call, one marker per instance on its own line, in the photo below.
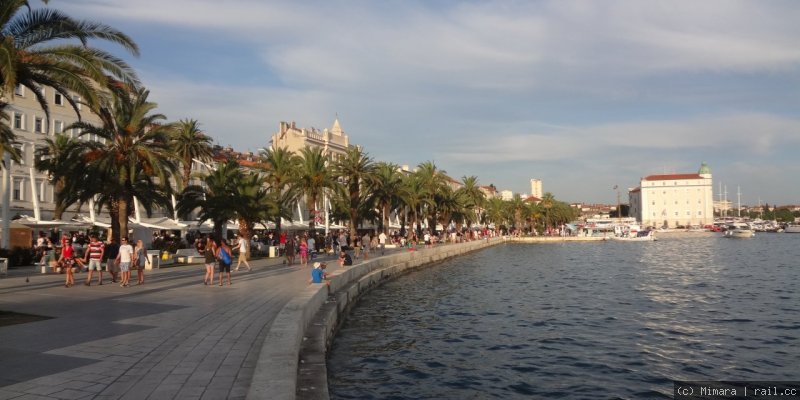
point(470, 83)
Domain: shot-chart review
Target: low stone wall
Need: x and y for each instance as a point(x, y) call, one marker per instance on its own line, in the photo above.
point(310, 318)
point(552, 239)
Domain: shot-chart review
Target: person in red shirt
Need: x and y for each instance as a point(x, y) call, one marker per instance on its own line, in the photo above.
point(67, 260)
point(94, 259)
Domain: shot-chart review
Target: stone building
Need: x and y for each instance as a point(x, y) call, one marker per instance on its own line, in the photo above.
point(29, 188)
point(674, 200)
point(333, 141)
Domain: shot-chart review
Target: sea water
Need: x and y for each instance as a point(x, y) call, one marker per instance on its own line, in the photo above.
point(577, 320)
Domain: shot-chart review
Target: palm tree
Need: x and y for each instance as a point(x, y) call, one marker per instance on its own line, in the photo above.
point(213, 197)
point(450, 204)
point(518, 211)
point(63, 165)
point(355, 169)
point(280, 167)
point(136, 152)
point(188, 143)
point(415, 199)
point(36, 51)
point(474, 198)
point(8, 139)
point(313, 179)
point(496, 212)
point(252, 202)
point(432, 181)
point(387, 190)
point(547, 203)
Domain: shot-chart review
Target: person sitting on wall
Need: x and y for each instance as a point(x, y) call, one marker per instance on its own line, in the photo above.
point(318, 273)
point(345, 259)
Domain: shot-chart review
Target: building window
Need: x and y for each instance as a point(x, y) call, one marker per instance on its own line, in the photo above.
point(40, 190)
point(39, 125)
point(654, 203)
point(58, 98)
point(19, 91)
point(58, 127)
point(17, 193)
point(77, 100)
point(19, 121)
point(699, 213)
point(676, 213)
point(689, 213)
point(21, 149)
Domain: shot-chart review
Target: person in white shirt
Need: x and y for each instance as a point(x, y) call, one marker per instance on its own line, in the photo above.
point(124, 257)
point(312, 246)
point(382, 241)
point(242, 247)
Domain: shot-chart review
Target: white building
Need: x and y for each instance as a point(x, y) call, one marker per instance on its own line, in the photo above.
point(673, 200)
point(506, 195)
point(536, 188)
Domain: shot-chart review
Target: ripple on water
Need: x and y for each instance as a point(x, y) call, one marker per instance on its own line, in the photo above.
point(590, 318)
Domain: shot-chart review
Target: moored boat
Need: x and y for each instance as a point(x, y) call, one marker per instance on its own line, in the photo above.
point(792, 228)
point(739, 230)
point(638, 236)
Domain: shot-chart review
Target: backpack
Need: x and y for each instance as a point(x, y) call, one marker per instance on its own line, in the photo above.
point(224, 256)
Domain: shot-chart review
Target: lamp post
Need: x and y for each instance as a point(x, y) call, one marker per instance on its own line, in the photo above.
point(619, 212)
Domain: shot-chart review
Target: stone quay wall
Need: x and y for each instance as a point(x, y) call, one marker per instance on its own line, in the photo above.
point(292, 361)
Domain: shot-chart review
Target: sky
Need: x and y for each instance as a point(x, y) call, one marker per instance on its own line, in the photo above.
point(584, 95)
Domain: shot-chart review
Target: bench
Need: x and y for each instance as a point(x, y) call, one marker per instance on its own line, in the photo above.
point(188, 256)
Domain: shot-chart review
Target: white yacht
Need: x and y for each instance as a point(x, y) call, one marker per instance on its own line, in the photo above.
point(739, 230)
point(792, 228)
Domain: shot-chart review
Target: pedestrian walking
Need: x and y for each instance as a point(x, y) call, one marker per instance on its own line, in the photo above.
point(94, 259)
point(224, 255)
point(289, 251)
point(111, 252)
point(243, 247)
point(303, 251)
point(124, 258)
point(382, 241)
point(67, 261)
point(140, 257)
point(209, 251)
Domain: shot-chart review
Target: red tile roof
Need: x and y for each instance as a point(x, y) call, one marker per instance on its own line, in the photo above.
point(671, 177)
point(533, 199)
point(635, 190)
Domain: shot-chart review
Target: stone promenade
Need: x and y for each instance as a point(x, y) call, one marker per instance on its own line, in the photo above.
point(172, 337)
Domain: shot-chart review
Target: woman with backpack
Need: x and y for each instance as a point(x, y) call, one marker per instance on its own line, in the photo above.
point(224, 256)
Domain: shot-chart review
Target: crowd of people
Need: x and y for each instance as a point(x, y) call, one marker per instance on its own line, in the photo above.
point(81, 253)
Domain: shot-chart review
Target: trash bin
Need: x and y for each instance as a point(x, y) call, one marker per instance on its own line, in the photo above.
point(273, 251)
point(3, 266)
point(153, 259)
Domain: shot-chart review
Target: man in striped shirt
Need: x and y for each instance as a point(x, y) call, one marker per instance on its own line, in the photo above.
point(94, 257)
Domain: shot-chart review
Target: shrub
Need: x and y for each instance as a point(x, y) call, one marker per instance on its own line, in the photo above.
point(18, 256)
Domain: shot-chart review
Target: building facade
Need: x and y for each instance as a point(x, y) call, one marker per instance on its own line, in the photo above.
point(333, 141)
point(536, 188)
point(674, 200)
point(30, 189)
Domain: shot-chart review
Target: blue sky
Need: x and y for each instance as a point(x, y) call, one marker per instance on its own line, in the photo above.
point(583, 95)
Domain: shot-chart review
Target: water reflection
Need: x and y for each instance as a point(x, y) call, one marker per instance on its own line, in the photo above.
point(522, 321)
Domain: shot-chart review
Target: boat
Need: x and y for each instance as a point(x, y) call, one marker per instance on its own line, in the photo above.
point(739, 230)
point(641, 236)
point(636, 235)
point(792, 228)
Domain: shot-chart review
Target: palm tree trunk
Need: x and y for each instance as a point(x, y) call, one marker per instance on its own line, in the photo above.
point(385, 218)
point(58, 212)
point(122, 217)
point(312, 212)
